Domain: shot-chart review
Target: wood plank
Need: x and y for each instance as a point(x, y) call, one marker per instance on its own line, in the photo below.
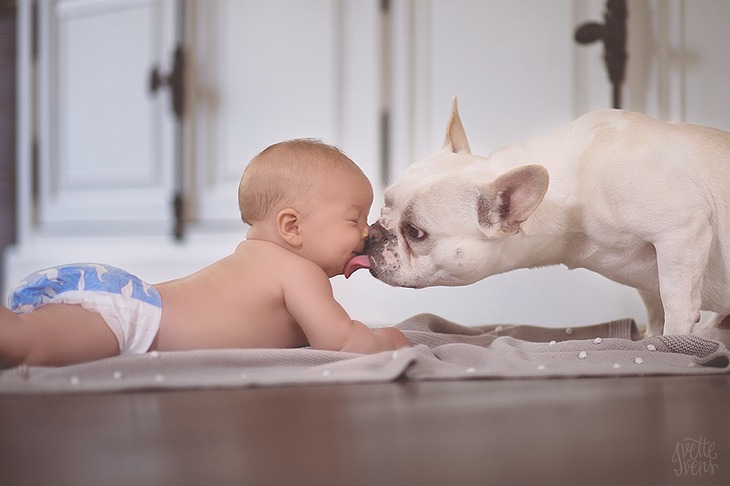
point(580, 431)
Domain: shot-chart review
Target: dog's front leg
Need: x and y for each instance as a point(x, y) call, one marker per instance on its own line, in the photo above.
point(654, 312)
point(681, 263)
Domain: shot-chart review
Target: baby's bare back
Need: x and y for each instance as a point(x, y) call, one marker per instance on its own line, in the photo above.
point(237, 302)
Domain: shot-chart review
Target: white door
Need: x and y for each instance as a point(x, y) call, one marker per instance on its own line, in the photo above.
point(273, 70)
point(105, 142)
point(258, 72)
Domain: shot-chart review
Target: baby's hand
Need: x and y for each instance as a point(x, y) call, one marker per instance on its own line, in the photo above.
point(394, 335)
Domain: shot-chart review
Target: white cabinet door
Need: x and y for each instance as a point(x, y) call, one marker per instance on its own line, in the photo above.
point(509, 63)
point(273, 70)
point(105, 142)
point(703, 62)
point(259, 71)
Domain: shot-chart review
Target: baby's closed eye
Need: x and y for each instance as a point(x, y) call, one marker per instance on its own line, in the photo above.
point(354, 218)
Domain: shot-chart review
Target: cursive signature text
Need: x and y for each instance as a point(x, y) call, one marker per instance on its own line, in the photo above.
point(694, 457)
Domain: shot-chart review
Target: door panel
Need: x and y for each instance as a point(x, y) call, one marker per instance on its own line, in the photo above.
point(271, 72)
point(105, 140)
point(678, 61)
point(705, 60)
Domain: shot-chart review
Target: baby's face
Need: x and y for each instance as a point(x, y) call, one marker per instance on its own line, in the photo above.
point(335, 228)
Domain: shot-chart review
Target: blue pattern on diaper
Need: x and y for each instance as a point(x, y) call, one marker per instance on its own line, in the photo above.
point(42, 286)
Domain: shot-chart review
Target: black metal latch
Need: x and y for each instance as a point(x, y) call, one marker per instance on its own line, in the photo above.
point(175, 81)
point(613, 34)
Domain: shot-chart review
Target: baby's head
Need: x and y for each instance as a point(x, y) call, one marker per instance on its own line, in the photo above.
point(287, 174)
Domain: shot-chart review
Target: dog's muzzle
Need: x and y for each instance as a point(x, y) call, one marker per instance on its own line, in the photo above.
point(380, 249)
point(377, 234)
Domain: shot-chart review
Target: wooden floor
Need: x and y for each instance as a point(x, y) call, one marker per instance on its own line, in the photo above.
point(621, 431)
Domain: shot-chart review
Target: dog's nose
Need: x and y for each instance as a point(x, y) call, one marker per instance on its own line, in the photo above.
point(375, 234)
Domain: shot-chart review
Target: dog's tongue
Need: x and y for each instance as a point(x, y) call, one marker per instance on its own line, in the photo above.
point(356, 263)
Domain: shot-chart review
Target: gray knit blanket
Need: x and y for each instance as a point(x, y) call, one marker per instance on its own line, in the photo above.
point(441, 350)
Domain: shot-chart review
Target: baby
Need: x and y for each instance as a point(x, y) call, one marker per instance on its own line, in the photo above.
point(307, 204)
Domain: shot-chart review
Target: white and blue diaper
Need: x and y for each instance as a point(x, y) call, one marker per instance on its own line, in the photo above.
point(132, 308)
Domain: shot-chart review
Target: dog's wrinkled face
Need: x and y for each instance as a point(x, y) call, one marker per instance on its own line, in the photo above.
point(448, 228)
point(445, 222)
point(417, 232)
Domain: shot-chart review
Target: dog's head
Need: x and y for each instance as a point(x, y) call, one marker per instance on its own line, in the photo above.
point(449, 219)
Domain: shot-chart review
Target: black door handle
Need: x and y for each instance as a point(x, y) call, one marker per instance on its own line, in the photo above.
point(175, 80)
point(613, 34)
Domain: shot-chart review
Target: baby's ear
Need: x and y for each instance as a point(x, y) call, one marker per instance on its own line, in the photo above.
point(287, 224)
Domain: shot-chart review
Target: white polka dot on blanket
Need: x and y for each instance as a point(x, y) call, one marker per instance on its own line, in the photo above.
point(582, 354)
point(638, 361)
point(597, 340)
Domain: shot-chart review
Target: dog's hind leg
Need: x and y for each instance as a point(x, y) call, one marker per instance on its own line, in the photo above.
point(710, 321)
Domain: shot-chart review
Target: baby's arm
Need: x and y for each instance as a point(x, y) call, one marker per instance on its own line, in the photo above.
point(309, 299)
point(394, 335)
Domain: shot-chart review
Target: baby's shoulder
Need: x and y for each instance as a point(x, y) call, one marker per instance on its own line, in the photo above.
point(276, 258)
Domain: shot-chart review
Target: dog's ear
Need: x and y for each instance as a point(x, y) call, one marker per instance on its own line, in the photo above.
point(506, 202)
point(455, 141)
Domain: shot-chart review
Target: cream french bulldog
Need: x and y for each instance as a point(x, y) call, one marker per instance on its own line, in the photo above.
point(640, 201)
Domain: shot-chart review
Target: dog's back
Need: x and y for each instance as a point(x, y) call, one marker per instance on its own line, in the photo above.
point(633, 184)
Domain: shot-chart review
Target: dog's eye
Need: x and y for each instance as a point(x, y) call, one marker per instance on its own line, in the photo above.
point(414, 232)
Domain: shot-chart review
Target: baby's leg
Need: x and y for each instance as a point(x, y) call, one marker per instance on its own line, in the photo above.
point(55, 335)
